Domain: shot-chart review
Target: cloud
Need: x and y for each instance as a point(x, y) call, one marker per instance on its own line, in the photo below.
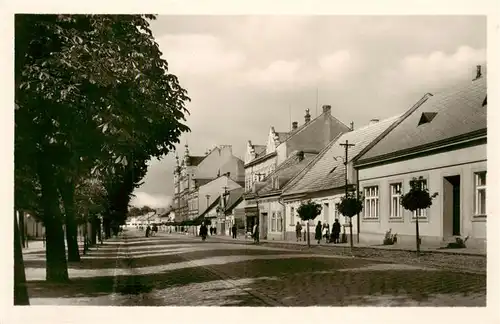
point(436, 69)
point(151, 200)
point(199, 54)
point(290, 74)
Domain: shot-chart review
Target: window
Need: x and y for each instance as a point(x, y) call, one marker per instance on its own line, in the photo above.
point(279, 221)
point(371, 202)
point(421, 213)
point(292, 216)
point(480, 193)
point(396, 210)
point(273, 222)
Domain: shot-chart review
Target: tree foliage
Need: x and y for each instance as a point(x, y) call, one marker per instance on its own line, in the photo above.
point(350, 205)
point(94, 103)
point(418, 197)
point(309, 210)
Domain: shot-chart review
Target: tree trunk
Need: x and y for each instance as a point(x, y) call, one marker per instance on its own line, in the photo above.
point(308, 236)
point(350, 234)
point(21, 228)
point(418, 235)
point(93, 236)
point(20, 290)
point(56, 265)
point(67, 192)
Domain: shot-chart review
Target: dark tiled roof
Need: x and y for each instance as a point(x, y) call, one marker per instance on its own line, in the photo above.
point(311, 125)
point(212, 205)
point(260, 150)
point(234, 198)
point(324, 172)
point(286, 171)
point(195, 160)
point(459, 111)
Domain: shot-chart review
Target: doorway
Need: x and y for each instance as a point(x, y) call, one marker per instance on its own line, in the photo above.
point(263, 226)
point(451, 206)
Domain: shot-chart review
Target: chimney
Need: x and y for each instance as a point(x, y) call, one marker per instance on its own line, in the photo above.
point(374, 121)
point(352, 126)
point(478, 72)
point(327, 109)
point(307, 117)
point(295, 125)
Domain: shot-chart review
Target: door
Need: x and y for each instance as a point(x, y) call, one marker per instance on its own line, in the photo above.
point(451, 206)
point(264, 226)
point(456, 208)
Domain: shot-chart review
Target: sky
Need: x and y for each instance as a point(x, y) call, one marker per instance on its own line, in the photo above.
point(245, 74)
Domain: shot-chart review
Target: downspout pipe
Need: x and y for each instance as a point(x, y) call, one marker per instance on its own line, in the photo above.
point(283, 219)
point(357, 196)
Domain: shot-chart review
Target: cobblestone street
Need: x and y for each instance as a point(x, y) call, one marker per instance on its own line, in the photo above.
point(172, 270)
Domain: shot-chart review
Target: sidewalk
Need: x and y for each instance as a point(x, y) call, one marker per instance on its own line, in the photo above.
point(344, 246)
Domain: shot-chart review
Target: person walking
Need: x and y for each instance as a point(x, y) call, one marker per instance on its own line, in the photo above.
point(255, 233)
point(318, 232)
point(233, 230)
point(203, 231)
point(148, 231)
point(298, 231)
point(336, 231)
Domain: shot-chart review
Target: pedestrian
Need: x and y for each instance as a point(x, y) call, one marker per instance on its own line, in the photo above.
point(148, 231)
point(203, 231)
point(233, 229)
point(255, 233)
point(336, 231)
point(298, 231)
point(318, 232)
point(215, 230)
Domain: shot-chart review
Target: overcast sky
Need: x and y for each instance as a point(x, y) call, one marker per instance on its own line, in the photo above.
point(245, 73)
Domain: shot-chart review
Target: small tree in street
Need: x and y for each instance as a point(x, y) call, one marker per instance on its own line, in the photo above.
point(307, 211)
point(417, 198)
point(350, 205)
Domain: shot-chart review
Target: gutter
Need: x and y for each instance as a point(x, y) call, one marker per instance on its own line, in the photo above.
point(473, 136)
point(283, 219)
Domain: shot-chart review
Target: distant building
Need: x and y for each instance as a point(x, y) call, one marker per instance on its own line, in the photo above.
point(261, 161)
point(443, 140)
point(196, 171)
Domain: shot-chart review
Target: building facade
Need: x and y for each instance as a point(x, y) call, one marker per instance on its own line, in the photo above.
point(261, 161)
point(324, 180)
point(442, 140)
point(196, 171)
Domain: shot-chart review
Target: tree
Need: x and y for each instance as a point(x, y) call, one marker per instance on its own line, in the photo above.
point(20, 291)
point(307, 211)
point(350, 205)
point(417, 198)
point(92, 91)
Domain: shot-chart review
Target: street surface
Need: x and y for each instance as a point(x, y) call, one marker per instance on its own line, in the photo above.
point(176, 270)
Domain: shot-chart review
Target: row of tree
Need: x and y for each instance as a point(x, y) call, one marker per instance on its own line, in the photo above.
point(94, 102)
point(418, 197)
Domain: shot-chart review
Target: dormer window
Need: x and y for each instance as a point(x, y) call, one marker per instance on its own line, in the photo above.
point(426, 117)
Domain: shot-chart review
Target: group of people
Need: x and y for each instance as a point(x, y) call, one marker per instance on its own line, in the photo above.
point(213, 231)
point(151, 231)
point(322, 231)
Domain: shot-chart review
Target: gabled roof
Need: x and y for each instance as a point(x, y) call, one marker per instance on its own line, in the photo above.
point(315, 121)
point(455, 113)
point(235, 196)
point(259, 150)
point(212, 205)
point(195, 160)
point(286, 171)
point(327, 170)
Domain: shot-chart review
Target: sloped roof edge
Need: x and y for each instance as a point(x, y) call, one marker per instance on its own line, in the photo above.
point(300, 175)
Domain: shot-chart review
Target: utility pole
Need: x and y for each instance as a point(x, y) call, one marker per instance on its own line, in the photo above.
point(347, 146)
point(224, 209)
point(258, 212)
